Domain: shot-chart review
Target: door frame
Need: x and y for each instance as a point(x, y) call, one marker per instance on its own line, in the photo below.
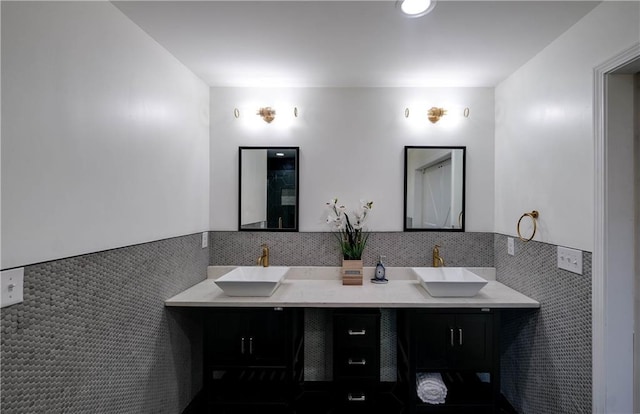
point(601, 306)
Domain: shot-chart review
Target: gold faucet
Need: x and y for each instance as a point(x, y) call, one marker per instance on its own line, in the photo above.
point(438, 261)
point(264, 259)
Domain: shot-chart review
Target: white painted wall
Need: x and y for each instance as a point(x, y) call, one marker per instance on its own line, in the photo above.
point(544, 129)
point(105, 136)
point(352, 146)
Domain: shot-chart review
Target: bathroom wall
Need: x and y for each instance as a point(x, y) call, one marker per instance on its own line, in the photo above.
point(544, 128)
point(105, 138)
point(93, 335)
point(321, 248)
point(351, 146)
point(546, 353)
point(545, 161)
point(104, 144)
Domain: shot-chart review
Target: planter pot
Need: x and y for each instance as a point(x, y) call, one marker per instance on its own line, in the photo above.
point(351, 272)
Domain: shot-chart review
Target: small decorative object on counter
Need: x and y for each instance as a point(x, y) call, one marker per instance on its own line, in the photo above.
point(379, 275)
point(351, 238)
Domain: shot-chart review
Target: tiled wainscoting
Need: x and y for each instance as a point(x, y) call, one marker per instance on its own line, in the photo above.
point(546, 354)
point(321, 249)
point(93, 335)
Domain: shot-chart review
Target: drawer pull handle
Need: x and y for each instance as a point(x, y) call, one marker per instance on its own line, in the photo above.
point(251, 346)
point(360, 362)
point(460, 333)
point(451, 337)
point(242, 346)
point(360, 397)
point(360, 332)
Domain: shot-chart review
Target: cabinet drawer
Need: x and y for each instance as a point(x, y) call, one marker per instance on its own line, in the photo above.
point(358, 362)
point(355, 330)
point(355, 396)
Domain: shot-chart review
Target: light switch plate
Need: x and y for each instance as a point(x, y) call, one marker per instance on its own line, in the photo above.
point(205, 239)
point(11, 284)
point(511, 250)
point(570, 259)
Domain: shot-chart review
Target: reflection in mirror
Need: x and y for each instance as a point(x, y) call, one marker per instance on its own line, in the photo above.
point(268, 196)
point(434, 188)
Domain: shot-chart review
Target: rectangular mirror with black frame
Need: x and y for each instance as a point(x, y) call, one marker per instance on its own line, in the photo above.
point(434, 188)
point(268, 188)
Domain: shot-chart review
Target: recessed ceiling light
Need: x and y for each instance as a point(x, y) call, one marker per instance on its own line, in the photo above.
point(279, 154)
point(416, 8)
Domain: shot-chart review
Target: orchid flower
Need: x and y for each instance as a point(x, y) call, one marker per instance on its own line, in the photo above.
point(350, 233)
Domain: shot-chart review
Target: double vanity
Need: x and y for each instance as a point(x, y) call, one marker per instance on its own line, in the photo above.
point(254, 345)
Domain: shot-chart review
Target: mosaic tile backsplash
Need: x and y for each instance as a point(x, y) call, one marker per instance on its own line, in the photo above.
point(546, 353)
point(93, 335)
point(321, 249)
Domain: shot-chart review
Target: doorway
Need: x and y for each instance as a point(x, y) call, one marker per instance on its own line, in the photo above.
point(636, 341)
point(616, 378)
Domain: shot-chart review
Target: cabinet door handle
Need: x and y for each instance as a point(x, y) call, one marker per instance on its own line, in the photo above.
point(460, 333)
point(251, 345)
point(360, 397)
point(242, 345)
point(360, 332)
point(361, 362)
point(451, 337)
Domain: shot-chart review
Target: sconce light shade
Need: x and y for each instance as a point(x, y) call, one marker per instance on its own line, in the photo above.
point(435, 114)
point(268, 114)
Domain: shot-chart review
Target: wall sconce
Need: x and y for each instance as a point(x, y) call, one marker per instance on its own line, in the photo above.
point(435, 114)
point(268, 114)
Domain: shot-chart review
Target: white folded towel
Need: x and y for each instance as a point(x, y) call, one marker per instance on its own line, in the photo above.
point(430, 387)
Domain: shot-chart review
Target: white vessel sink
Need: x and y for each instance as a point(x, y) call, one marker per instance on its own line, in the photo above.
point(252, 280)
point(449, 281)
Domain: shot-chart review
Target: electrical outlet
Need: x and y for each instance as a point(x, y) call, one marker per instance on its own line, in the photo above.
point(11, 283)
point(511, 250)
point(570, 259)
point(205, 239)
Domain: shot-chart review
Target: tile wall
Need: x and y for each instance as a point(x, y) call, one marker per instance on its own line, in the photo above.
point(546, 353)
point(93, 335)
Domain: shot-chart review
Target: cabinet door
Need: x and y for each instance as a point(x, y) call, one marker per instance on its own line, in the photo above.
point(267, 337)
point(433, 339)
point(226, 338)
point(473, 342)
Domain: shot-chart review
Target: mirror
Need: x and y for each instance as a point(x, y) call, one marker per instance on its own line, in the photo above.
point(268, 196)
point(434, 188)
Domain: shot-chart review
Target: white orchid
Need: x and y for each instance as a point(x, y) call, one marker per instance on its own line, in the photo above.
point(350, 231)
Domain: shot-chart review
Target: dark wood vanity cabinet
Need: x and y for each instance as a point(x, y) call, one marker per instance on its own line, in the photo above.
point(461, 345)
point(449, 341)
point(356, 357)
point(247, 337)
point(252, 357)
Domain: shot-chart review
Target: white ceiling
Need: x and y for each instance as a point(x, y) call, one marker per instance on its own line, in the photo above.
point(353, 43)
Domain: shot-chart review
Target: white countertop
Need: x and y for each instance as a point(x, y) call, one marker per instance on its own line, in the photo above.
point(321, 287)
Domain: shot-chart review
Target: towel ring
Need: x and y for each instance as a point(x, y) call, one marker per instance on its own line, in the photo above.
point(534, 215)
